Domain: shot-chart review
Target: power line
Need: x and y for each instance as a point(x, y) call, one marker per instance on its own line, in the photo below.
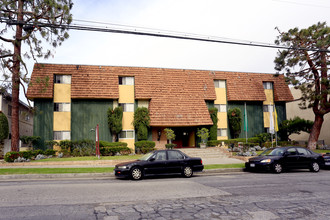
point(156, 34)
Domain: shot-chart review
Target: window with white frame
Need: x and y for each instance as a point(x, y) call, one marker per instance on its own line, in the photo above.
point(127, 134)
point(268, 85)
point(62, 107)
point(221, 107)
point(222, 132)
point(126, 80)
point(127, 107)
point(268, 108)
point(63, 79)
point(27, 117)
point(62, 135)
point(219, 83)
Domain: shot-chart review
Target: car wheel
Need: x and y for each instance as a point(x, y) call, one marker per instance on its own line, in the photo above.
point(277, 168)
point(187, 172)
point(315, 167)
point(136, 173)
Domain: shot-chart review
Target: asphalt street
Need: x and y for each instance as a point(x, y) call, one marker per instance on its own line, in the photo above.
point(292, 195)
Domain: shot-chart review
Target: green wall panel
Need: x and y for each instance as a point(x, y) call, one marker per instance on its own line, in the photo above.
point(85, 115)
point(254, 116)
point(43, 119)
point(281, 112)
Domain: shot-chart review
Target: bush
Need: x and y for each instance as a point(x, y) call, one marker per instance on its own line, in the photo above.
point(11, 156)
point(26, 154)
point(214, 143)
point(66, 145)
point(37, 152)
point(144, 146)
point(50, 144)
point(111, 151)
point(112, 144)
point(50, 152)
point(4, 127)
point(83, 148)
point(214, 128)
point(170, 146)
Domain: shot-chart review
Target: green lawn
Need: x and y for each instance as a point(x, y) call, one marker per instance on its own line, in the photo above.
point(11, 171)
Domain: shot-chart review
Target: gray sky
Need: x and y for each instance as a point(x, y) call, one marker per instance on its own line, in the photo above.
point(253, 20)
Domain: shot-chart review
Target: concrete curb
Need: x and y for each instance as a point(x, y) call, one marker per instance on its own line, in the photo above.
point(98, 175)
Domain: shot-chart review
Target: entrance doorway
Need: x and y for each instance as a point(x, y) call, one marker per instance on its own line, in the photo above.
point(184, 137)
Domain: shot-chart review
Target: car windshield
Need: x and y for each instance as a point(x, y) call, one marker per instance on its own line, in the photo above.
point(146, 156)
point(273, 152)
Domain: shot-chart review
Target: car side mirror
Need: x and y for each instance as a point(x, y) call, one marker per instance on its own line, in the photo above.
point(152, 159)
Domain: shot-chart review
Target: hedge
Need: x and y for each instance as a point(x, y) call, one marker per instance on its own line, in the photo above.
point(170, 146)
point(111, 151)
point(144, 146)
point(112, 144)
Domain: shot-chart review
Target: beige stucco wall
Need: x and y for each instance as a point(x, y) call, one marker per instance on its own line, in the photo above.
point(292, 110)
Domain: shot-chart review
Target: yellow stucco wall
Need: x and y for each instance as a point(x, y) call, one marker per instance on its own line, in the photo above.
point(221, 96)
point(269, 97)
point(127, 120)
point(126, 94)
point(62, 93)
point(266, 120)
point(192, 139)
point(130, 143)
point(62, 121)
point(222, 119)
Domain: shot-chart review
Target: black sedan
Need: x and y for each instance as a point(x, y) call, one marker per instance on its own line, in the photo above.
point(326, 160)
point(281, 158)
point(160, 162)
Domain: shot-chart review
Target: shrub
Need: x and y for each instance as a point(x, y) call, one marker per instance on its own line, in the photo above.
point(66, 145)
point(11, 156)
point(37, 152)
point(4, 127)
point(111, 151)
point(50, 152)
point(170, 146)
point(26, 154)
point(50, 144)
point(112, 144)
point(214, 143)
point(141, 123)
point(83, 148)
point(214, 128)
point(203, 134)
point(144, 146)
point(235, 121)
point(30, 140)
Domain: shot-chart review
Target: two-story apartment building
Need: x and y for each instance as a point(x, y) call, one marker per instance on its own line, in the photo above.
point(25, 120)
point(70, 100)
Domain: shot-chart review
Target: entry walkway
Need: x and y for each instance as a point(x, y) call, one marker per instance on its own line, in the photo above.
point(212, 155)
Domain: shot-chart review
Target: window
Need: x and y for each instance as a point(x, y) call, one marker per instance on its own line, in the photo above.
point(62, 107)
point(221, 107)
point(292, 151)
point(175, 155)
point(62, 135)
point(222, 132)
point(127, 80)
point(268, 85)
point(219, 83)
point(65, 79)
point(128, 134)
point(160, 156)
point(127, 107)
point(302, 151)
point(10, 108)
point(27, 117)
point(268, 108)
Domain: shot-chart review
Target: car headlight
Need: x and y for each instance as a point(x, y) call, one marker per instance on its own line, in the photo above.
point(266, 161)
point(122, 167)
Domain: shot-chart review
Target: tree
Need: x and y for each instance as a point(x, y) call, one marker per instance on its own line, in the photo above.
point(306, 64)
point(203, 134)
point(214, 128)
point(32, 22)
point(294, 126)
point(169, 133)
point(235, 121)
point(141, 123)
point(115, 121)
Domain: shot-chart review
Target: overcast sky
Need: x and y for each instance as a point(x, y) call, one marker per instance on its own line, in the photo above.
point(253, 20)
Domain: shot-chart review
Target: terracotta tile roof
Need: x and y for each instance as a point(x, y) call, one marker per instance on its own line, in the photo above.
point(177, 96)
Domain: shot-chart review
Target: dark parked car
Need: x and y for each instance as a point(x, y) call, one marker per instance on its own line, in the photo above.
point(281, 158)
point(160, 162)
point(326, 158)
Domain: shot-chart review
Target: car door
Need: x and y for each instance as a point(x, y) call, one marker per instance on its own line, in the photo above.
point(290, 158)
point(157, 163)
point(175, 161)
point(305, 157)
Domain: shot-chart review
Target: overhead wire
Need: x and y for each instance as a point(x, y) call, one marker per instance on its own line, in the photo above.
point(152, 33)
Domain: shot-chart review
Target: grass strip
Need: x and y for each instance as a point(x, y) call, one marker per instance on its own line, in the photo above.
point(223, 166)
point(123, 157)
point(11, 171)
